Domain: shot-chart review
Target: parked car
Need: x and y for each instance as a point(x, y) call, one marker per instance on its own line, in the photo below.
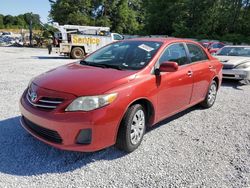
point(236, 62)
point(111, 96)
point(205, 44)
point(6, 33)
point(213, 47)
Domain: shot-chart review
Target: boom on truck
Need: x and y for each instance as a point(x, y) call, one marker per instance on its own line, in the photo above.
point(77, 41)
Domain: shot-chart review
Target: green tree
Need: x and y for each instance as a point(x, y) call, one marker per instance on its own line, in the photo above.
point(121, 15)
point(124, 18)
point(35, 18)
point(20, 22)
point(214, 19)
point(1, 21)
point(8, 21)
point(160, 16)
point(71, 12)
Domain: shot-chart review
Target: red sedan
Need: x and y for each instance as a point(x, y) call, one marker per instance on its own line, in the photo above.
point(111, 96)
point(214, 47)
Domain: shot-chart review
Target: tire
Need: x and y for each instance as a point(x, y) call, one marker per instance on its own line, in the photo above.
point(211, 95)
point(77, 53)
point(129, 137)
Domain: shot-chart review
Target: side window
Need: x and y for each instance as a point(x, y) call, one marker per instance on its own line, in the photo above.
point(117, 37)
point(175, 53)
point(217, 45)
point(220, 45)
point(196, 53)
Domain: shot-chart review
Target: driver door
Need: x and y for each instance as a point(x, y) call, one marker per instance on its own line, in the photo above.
point(174, 88)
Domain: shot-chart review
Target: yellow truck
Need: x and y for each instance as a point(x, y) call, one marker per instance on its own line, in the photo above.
point(78, 41)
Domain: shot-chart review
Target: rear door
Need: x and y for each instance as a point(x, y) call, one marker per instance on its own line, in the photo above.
point(202, 71)
point(174, 88)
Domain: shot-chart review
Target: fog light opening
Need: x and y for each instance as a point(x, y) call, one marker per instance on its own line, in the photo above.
point(84, 136)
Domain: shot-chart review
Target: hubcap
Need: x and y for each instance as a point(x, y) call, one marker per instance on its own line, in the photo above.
point(212, 94)
point(137, 127)
point(78, 53)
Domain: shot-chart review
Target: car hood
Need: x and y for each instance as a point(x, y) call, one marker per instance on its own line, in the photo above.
point(233, 60)
point(82, 80)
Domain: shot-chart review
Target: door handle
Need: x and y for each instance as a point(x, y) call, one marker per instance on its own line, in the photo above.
point(189, 73)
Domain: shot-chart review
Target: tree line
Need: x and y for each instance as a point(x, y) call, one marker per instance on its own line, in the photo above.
point(227, 20)
point(21, 21)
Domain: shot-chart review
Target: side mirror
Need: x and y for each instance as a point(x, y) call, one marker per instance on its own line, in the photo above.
point(168, 66)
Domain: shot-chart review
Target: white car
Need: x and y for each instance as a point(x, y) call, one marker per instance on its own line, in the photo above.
point(236, 62)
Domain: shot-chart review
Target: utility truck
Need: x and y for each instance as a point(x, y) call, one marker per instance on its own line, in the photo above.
point(77, 41)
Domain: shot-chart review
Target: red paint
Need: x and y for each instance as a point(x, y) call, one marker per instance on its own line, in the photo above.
point(169, 66)
point(169, 93)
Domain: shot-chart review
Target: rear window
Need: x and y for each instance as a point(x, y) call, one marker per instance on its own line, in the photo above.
point(235, 51)
point(217, 45)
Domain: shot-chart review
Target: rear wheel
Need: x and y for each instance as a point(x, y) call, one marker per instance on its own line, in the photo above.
point(77, 53)
point(132, 129)
point(211, 95)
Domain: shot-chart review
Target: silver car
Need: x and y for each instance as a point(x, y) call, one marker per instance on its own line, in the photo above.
point(236, 62)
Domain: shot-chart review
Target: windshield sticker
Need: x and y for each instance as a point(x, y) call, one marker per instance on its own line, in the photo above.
point(145, 47)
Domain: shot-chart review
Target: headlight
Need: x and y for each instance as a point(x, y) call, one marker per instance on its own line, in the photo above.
point(243, 65)
point(89, 103)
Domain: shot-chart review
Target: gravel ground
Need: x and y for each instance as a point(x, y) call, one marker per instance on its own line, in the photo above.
point(196, 148)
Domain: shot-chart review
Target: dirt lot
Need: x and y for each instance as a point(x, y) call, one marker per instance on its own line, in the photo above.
point(196, 148)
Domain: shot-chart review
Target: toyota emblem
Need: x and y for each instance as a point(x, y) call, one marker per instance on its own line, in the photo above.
point(33, 96)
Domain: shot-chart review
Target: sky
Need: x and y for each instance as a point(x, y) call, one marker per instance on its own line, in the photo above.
point(16, 7)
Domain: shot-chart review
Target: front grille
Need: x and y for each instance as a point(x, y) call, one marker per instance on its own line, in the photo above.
point(44, 133)
point(47, 103)
point(228, 66)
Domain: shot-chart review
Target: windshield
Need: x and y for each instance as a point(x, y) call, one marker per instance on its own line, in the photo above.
point(130, 55)
point(235, 51)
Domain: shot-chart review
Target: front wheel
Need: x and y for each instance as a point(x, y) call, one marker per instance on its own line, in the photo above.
point(132, 128)
point(211, 95)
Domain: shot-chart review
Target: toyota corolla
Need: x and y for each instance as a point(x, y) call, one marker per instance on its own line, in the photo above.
point(113, 95)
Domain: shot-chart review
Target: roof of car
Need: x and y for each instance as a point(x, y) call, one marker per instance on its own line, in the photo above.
point(244, 46)
point(165, 40)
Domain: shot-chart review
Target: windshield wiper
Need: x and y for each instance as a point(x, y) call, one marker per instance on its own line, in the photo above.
point(83, 62)
point(92, 64)
point(102, 65)
point(118, 67)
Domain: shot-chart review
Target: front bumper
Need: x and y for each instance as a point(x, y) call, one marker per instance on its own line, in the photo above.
point(102, 122)
point(236, 74)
